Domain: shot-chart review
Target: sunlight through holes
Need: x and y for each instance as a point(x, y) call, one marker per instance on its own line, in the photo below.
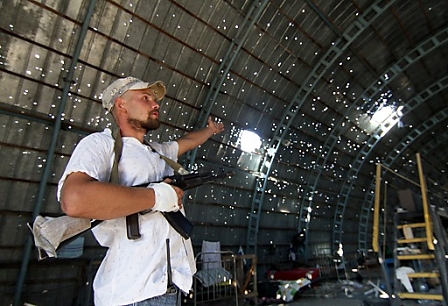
point(250, 142)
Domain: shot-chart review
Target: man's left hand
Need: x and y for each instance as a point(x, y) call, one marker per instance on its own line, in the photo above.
point(217, 127)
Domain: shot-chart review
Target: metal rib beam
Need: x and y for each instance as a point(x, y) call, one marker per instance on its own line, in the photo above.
point(386, 77)
point(326, 62)
point(389, 161)
point(232, 53)
point(423, 49)
point(51, 150)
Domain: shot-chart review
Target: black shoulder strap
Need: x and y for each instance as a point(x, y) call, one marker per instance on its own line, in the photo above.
point(118, 147)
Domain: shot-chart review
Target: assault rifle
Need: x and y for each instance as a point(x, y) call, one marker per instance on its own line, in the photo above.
point(52, 233)
point(176, 219)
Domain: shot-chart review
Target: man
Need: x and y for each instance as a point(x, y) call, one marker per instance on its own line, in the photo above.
point(133, 272)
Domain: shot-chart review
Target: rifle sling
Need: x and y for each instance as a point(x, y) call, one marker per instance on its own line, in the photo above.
point(175, 165)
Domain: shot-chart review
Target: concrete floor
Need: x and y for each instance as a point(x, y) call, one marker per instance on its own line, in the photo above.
point(346, 293)
point(336, 293)
point(332, 293)
point(361, 291)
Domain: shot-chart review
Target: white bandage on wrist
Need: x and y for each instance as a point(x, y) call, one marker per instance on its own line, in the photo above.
point(165, 197)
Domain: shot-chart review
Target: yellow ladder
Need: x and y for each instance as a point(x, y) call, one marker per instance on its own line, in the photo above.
point(425, 251)
point(416, 256)
point(425, 229)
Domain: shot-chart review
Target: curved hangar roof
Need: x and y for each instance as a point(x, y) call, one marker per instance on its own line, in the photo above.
point(330, 87)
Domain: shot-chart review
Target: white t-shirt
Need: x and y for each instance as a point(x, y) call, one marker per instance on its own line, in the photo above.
point(133, 270)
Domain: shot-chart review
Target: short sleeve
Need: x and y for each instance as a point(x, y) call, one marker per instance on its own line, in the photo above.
point(94, 156)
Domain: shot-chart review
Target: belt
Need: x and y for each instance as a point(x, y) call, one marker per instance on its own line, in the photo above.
point(171, 289)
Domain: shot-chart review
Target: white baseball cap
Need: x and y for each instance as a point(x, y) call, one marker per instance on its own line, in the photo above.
point(120, 86)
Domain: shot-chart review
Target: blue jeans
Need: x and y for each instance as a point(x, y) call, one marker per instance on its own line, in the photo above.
point(167, 299)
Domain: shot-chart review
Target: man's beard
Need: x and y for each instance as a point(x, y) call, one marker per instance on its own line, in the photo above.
point(149, 124)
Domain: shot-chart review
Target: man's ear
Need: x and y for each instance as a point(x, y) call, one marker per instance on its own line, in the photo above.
point(120, 104)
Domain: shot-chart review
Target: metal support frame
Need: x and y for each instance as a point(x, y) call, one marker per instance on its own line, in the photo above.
point(433, 228)
point(441, 249)
point(410, 58)
point(250, 20)
point(426, 212)
point(232, 54)
point(330, 24)
point(329, 58)
point(326, 62)
point(49, 160)
point(307, 86)
point(367, 149)
point(418, 100)
point(394, 155)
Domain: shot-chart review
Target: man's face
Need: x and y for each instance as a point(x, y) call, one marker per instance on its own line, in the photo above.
point(142, 109)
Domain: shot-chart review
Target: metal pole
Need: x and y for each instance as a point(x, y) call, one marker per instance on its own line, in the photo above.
point(46, 174)
point(428, 222)
point(376, 210)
